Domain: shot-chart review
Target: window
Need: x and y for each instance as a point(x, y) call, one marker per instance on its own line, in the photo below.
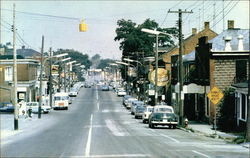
point(241, 70)
point(8, 73)
point(243, 107)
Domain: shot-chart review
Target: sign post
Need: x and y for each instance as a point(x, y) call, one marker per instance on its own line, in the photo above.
point(215, 96)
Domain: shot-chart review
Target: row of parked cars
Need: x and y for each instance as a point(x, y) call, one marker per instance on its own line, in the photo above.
point(158, 115)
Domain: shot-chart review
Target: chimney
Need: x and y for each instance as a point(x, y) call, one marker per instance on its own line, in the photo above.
point(227, 43)
point(194, 31)
point(230, 24)
point(206, 25)
point(240, 43)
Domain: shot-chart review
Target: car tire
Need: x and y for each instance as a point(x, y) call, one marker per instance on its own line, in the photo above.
point(66, 108)
point(143, 121)
point(136, 117)
point(174, 126)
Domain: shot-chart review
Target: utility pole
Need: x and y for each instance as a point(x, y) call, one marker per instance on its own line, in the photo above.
point(41, 85)
point(180, 72)
point(156, 71)
point(50, 78)
point(15, 72)
point(248, 108)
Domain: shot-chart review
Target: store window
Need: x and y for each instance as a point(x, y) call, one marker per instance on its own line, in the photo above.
point(8, 73)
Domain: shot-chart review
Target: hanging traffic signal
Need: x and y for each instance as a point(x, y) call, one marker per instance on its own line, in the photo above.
point(83, 26)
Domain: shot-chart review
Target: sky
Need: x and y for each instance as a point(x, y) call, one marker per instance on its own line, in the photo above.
point(101, 18)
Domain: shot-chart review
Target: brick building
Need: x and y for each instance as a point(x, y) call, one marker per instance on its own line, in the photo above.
point(222, 62)
point(26, 79)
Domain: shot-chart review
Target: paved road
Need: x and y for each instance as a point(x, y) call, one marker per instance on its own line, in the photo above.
point(97, 125)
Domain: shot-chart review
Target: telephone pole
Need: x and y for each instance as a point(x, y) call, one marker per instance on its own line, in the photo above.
point(180, 72)
point(15, 72)
point(41, 85)
point(50, 78)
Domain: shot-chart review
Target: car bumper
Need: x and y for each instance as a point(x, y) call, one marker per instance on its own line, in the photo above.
point(163, 123)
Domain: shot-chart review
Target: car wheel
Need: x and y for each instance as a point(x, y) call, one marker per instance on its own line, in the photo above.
point(136, 117)
point(66, 108)
point(143, 121)
point(152, 126)
point(174, 126)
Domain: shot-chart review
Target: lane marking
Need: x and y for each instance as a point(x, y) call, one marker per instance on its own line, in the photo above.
point(175, 140)
point(87, 150)
point(97, 97)
point(200, 153)
point(98, 106)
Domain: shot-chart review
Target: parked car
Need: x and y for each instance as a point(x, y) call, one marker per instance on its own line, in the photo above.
point(134, 105)
point(105, 88)
point(129, 102)
point(139, 111)
point(121, 92)
point(35, 105)
point(147, 112)
point(163, 115)
point(125, 99)
point(6, 107)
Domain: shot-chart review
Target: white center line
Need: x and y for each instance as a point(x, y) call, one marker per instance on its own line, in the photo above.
point(177, 141)
point(98, 106)
point(200, 153)
point(87, 150)
point(97, 95)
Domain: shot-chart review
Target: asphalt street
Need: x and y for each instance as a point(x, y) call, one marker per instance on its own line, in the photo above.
point(97, 125)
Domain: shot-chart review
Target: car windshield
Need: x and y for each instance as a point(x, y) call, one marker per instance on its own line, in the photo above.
point(61, 98)
point(163, 109)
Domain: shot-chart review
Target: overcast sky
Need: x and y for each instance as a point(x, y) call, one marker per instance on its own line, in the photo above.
point(101, 18)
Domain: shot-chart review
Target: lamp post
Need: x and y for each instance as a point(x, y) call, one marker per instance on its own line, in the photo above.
point(70, 69)
point(41, 85)
point(64, 72)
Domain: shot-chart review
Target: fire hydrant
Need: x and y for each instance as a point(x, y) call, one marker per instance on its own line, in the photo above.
point(186, 123)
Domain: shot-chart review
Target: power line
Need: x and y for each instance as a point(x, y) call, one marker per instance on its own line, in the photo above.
point(167, 13)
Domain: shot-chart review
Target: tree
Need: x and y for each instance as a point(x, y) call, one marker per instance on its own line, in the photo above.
point(77, 56)
point(132, 39)
point(95, 60)
point(104, 63)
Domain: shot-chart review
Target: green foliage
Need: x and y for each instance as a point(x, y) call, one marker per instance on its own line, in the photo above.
point(226, 120)
point(77, 56)
point(104, 63)
point(132, 39)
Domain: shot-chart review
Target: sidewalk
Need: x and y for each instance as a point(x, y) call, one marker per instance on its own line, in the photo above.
point(26, 126)
point(207, 130)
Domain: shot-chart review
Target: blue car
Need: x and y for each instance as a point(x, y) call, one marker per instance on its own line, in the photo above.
point(6, 107)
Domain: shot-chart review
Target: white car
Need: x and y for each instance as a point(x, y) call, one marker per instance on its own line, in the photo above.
point(121, 93)
point(35, 105)
point(147, 112)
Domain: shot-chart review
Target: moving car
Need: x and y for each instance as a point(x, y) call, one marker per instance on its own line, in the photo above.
point(147, 112)
point(73, 93)
point(6, 107)
point(35, 105)
point(61, 100)
point(163, 115)
point(105, 88)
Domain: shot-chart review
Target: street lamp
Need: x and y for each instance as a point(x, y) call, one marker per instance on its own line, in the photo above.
point(156, 33)
point(41, 71)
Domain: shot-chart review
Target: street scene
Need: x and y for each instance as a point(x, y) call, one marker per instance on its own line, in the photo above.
point(111, 79)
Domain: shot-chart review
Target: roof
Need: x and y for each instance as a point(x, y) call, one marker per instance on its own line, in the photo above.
point(27, 52)
point(218, 43)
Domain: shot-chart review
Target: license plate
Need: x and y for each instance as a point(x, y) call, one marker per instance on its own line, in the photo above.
point(61, 104)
